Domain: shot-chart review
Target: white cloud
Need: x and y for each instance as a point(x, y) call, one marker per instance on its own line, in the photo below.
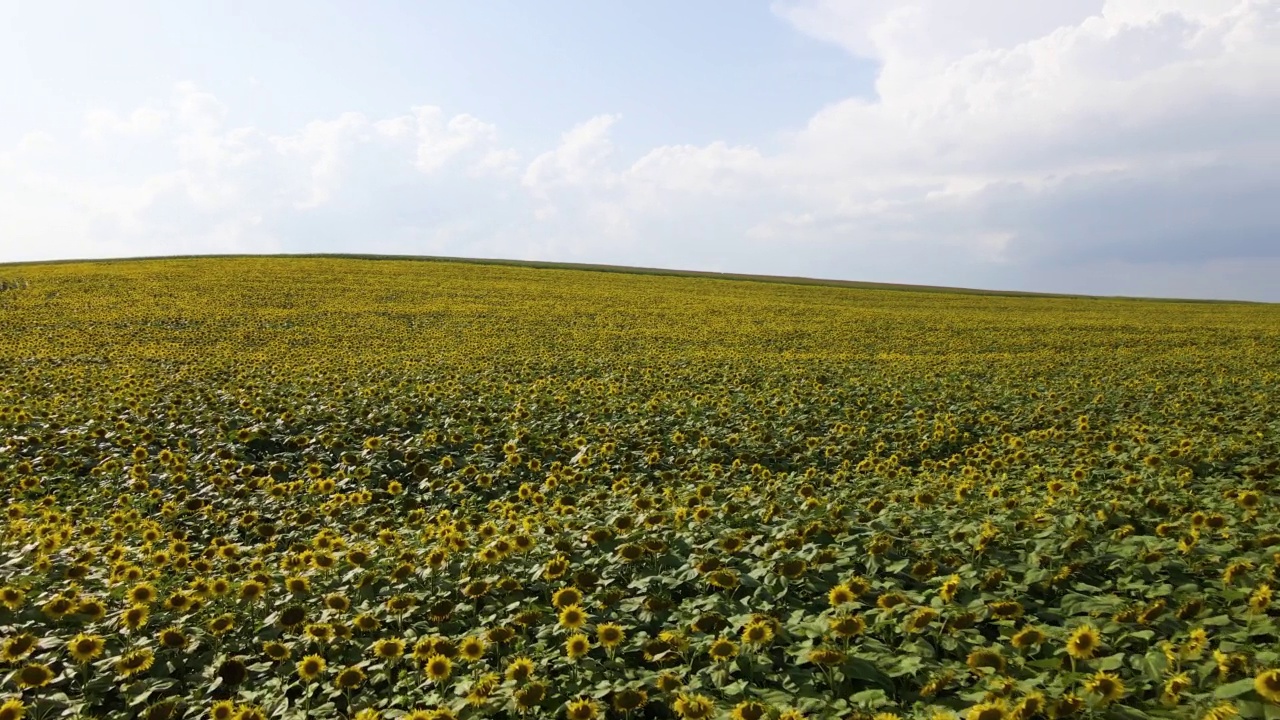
point(578, 160)
point(1067, 145)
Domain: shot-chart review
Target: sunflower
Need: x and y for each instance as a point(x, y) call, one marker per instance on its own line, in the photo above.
point(1267, 685)
point(949, 588)
point(749, 710)
point(582, 709)
point(520, 669)
point(723, 649)
point(141, 594)
point(1083, 642)
point(438, 668)
point(277, 651)
point(84, 648)
point(573, 617)
point(134, 662)
point(92, 609)
point(366, 623)
point(249, 712)
point(920, 619)
point(1028, 637)
point(18, 647)
point(482, 689)
point(319, 632)
point(994, 710)
point(628, 700)
point(172, 638)
point(826, 656)
point(610, 635)
point(310, 667)
point(529, 696)
point(577, 645)
point(565, 597)
point(232, 672)
point(840, 595)
point(221, 625)
point(757, 633)
point(388, 648)
point(349, 678)
point(1107, 686)
point(847, 626)
point(1174, 687)
point(441, 645)
point(251, 591)
point(1031, 705)
point(33, 675)
point(222, 710)
point(1260, 600)
point(472, 648)
point(986, 658)
point(12, 709)
point(500, 635)
point(694, 707)
point(1221, 711)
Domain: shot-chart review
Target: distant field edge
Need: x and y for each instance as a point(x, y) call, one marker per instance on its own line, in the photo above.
point(626, 269)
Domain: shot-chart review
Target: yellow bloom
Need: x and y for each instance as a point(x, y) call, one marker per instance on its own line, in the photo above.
point(1267, 685)
point(472, 648)
point(84, 648)
point(1107, 686)
point(694, 707)
point(577, 645)
point(134, 662)
point(995, 710)
point(438, 668)
point(582, 709)
point(610, 635)
point(840, 595)
point(520, 669)
point(1084, 642)
point(310, 667)
point(12, 709)
point(573, 617)
point(749, 710)
point(723, 649)
point(33, 675)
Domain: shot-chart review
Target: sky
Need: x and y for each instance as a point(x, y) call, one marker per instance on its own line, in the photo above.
point(1115, 147)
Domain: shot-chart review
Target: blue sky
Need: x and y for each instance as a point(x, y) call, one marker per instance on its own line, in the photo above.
point(1104, 146)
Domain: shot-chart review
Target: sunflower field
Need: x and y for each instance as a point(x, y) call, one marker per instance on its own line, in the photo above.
point(241, 488)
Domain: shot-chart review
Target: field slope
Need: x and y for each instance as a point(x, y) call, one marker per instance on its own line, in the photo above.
point(340, 487)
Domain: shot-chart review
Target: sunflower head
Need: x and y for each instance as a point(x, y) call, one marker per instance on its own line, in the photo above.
point(310, 667)
point(134, 662)
point(33, 675)
point(1084, 642)
point(1267, 685)
point(629, 699)
point(573, 617)
point(1106, 686)
point(723, 649)
point(472, 648)
point(349, 678)
point(582, 709)
point(520, 669)
point(438, 668)
point(610, 635)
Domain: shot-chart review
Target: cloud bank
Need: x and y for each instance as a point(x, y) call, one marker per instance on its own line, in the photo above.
point(1118, 147)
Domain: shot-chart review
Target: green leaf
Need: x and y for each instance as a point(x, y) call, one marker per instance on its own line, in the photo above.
point(1234, 689)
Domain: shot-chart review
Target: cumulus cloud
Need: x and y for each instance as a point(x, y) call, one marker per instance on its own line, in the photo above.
point(1113, 146)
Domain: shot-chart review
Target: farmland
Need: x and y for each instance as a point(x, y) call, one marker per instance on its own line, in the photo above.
point(321, 487)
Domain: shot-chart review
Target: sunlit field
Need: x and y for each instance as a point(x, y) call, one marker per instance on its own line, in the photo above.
point(332, 488)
